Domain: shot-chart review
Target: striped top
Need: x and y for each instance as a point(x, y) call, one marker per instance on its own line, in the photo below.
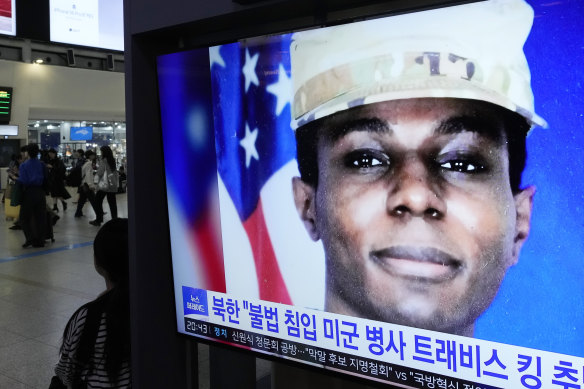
point(95, 374)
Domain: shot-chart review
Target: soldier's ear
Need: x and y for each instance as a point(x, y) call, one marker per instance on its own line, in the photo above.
point(523, 207)
point(304, 199)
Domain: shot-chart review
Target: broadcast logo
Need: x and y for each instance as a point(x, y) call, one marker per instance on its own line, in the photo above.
point(195, 301)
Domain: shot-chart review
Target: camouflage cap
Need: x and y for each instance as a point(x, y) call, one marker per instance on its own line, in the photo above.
point(474, 51)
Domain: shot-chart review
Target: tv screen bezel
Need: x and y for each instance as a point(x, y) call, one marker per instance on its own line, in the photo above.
point(191, 42)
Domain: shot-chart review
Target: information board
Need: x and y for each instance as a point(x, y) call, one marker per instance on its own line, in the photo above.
point(94, 23)
point(5, 104)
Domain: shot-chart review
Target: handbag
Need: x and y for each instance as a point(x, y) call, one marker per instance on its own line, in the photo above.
point(56, 383)
point(8, 191)
point(113, 180)
point(102, 183)
point(109, 181)
point(16, 194)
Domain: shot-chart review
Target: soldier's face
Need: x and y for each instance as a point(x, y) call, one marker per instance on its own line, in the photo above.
point(415, 211)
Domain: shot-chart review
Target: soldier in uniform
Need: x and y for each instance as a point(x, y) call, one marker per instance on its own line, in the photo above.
point(411, 145)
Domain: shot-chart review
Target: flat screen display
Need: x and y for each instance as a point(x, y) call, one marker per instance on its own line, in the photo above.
point(94, 23)
point(5, 104)
point(8, 130)
point(398, 199)
point(7, 17)
point(81, 133)
point(9, 149)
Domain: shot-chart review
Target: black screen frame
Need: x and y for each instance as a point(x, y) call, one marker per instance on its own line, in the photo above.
point(147, 170)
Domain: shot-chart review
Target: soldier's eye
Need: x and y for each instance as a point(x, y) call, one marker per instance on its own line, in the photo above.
point(366, 159)
point(462, 166)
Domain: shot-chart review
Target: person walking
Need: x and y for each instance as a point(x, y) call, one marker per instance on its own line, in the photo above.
point(87, 188)
point(107, 178)
point(33, 176)
point(57, 180)
point(12, 177)
point(74, 176)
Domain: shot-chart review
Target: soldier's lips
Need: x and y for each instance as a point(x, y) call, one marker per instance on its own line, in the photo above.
point(418, 263)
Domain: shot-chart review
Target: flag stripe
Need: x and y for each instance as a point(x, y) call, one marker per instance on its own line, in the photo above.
point(209, 245)
point(270, 281)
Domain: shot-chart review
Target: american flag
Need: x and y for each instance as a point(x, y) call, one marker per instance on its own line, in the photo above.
point(242, 101)
point(251, 94)
point(191, 170)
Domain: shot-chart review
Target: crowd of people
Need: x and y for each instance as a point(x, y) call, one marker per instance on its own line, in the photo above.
point(36, 175)
point(95, 348)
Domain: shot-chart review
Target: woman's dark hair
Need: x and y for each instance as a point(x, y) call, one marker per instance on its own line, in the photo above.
point(110, 250)
point(108, 155)
point(80, 152)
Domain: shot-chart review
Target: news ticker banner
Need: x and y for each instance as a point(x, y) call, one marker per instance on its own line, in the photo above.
point(404, 356)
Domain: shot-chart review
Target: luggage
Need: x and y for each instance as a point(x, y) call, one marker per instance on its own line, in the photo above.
point(10, 211)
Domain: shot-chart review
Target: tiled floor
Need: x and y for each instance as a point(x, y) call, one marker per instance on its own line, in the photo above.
point(39, 290)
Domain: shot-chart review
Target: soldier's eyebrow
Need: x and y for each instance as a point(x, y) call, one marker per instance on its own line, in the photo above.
point(339, 130)
point(483, 125)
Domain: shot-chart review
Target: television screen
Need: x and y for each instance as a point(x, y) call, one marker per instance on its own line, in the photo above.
point(94, 23)
point(9, 148)
point(81, 133)
point(7, 17)
point(8, 130)
point(5, 104)
point(397, 199)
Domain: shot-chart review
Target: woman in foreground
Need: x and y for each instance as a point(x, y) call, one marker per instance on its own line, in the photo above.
point(96, 342)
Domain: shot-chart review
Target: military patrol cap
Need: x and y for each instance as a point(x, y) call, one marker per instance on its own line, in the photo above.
point(473, 52)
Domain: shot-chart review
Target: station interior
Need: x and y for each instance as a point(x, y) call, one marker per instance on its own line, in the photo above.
point(113, 91)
